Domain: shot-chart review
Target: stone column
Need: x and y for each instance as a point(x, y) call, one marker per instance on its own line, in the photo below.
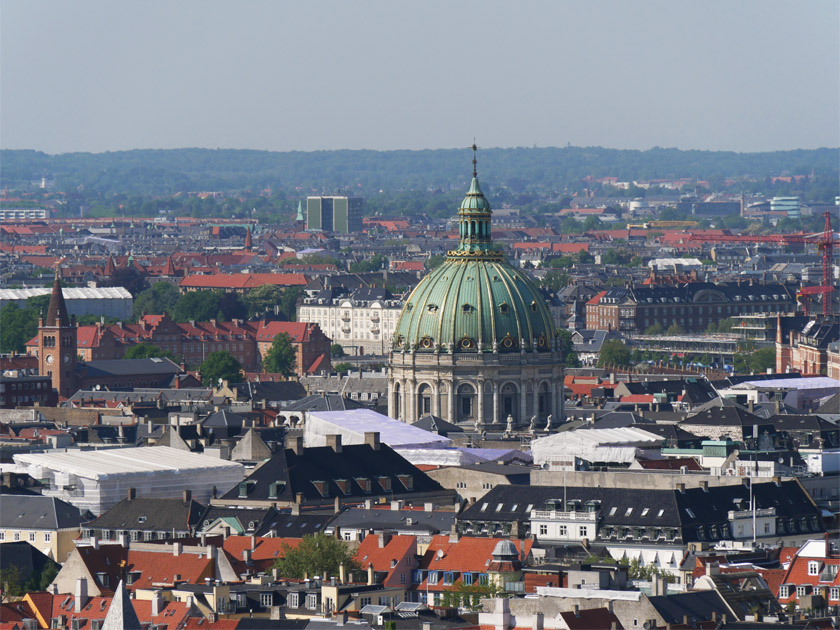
point(480, 401)
point(453, 384)
point(391, 398)
point(495, 402)
point(411, 406)
point(436, 398)
point(523, 401)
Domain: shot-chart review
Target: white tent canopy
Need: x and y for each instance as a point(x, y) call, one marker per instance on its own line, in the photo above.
point(616, 446)
point(97, 480)
point(352, 425)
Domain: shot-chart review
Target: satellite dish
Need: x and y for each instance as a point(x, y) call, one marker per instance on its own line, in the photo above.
point(439, 554)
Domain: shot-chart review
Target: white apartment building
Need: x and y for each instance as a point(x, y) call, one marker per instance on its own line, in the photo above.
point(363, 322)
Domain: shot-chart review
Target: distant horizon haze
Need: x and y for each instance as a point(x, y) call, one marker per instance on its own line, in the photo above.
point(98, 76)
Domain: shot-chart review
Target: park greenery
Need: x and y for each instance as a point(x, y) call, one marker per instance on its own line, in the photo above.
point(614, 352)
point(19, 325)
point(220, 366)
point(316, 554)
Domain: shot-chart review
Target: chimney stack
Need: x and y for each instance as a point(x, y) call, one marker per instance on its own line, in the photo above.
point(132, 494)
point(372, 439)
point(334, 442)
point(295, 444)
point(81, 594)
point(187, 497)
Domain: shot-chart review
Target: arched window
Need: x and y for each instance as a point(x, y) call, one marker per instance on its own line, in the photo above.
point(424, 399)
point(466, 398)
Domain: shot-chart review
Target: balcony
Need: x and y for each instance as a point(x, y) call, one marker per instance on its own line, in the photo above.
point(375, 317)
point(345, 317)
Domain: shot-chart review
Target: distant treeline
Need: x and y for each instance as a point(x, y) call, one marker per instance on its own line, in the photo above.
point(165, 172)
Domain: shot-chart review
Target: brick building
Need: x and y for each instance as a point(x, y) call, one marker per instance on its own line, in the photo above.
point(809, 350)
point(247, 341)
point(691, 305)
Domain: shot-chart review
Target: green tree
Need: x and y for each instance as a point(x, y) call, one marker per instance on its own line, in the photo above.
point(674, 330)
point(315, 555)
point(375, 263)
point(17, 326)
point(220, 365)
point(654, 330)
point(288, 303)
point(434, 261)
point(160, 298)
point(470, 596)
point(342, 368)
point(146, 350)
point(199, 306)
point(281, 356)
point(337, 350)
point(556, 280)
point(569, 355)
point(262, 299)
point(613, 352)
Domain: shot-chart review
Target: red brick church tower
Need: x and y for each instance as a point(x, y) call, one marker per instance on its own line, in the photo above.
point(57, 354)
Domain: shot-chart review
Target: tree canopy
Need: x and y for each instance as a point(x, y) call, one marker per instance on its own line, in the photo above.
point(19, 325)
point(281, 357)
point(315, 555)
point(220, 365)
point(613, 352)
point(146, 350)
point(160, 298)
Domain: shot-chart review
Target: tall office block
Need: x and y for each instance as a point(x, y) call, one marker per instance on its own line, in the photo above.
point(334, 214)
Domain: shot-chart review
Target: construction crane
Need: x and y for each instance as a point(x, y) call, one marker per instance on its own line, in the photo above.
point(824, 241)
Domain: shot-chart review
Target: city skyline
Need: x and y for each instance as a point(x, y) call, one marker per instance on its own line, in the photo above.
point(94, 77)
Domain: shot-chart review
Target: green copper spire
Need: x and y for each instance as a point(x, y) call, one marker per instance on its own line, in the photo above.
point(474, 218)
point(300, 211)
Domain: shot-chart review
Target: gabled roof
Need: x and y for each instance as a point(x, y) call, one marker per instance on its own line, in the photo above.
point(150, 515)
point(37, 512)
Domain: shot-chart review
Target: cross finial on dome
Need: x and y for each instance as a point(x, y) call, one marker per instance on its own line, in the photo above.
point(475, 161)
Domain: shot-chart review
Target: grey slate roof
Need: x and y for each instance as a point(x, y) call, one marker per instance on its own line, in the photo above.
point(150, 515)
point(435, 522)
point(128, 367)
point(18, 511)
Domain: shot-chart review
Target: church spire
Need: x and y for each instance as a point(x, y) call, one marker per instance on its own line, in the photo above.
point(57, 311)
point(474, 215)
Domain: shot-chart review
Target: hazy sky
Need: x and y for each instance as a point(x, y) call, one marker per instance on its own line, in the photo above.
point(745, 75)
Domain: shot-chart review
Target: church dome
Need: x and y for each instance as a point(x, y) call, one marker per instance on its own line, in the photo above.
point(475, 302)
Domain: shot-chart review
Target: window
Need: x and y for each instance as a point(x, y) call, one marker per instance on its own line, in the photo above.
point(813, 568)
point(564, 530)
point(433, 577)
point(2, 535)
point(483, 579)
point(834, 592)
point(47, 536)
point(802, 590)
point(467, 579)
point(690, 512)
point(17, 536)
point(33, 536)
point(645, 511)
point(293, 600)
point(613, 510)
point(543, 530)
point(312, 601)
point(628, 511)
point(364, 601)
point(402, 578)
point(266, 599)
point(784, 591)
point(582, 533)
point(448, 578)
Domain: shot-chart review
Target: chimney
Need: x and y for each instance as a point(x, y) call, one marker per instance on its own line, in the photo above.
point(295, 509)
point(337, 505)
point(211, 552)
point(342, 573)
point(681, 488)
point(253, 541)
point(368, 504)
point(334, 442)
point(428, 507)
point(712, 568)
point(537, 623)
point(132, 494)
point(396, 506)
point(705, 485)
point(372, 439)
point(246, 556)
point(81, 594)
point(295, 444)
point(453, 533)
point(299, 498)
point(177, 548)
point(370, 576)
point(577, 610)
point(157, 604)
point(187, 497)
point(383, 539)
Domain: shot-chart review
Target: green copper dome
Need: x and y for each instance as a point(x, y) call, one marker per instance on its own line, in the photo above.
point(475, 302)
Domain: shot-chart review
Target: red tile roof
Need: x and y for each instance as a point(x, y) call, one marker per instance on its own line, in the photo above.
point(243, 280)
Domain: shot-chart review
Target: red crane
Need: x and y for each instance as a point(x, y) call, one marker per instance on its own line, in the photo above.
point(825, 244)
